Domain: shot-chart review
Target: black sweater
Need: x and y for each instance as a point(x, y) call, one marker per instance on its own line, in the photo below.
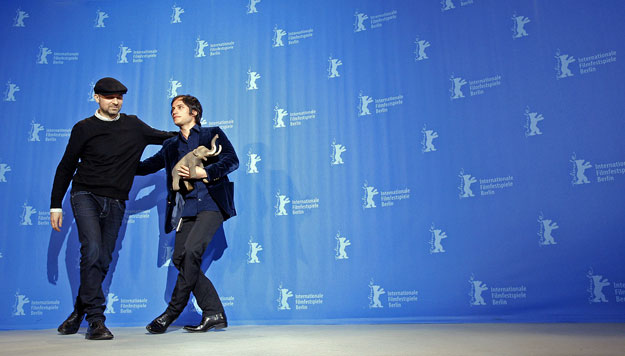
point(109, 152)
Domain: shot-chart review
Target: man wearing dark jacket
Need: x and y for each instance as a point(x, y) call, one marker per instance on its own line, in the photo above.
point(100, 160)
point(195, 213)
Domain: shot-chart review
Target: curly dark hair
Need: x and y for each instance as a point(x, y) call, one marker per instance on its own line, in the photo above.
point(193, 103)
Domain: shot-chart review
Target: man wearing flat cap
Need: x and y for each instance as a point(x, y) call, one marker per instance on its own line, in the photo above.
point(100, 160)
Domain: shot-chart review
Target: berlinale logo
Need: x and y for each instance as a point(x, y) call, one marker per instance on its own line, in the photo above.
point(437, 236)
point(4, 168)
point(35, 129)
point(579, 168)
point(375, 291)
point(278, 33)
point(531, 126)
point(252, 162)
point(9, 93)
point(341, 243)
point(333, 68)
point(518, 30)
point(42, 56)
point(122, 56)
point(90, 92)
point(456, 87)
point(477, 287)
point(428, 138)
point(176, 12)
point(367, 199)
point(465, 184)
point(20, 301)
point(19, 18)
point(359, 25)
point(447, 5)
point(200, 44)
point(337, 150)
point(363, 104)
point(544, 233)
point(597, 283)
point(281, 202)
point(278, 118)
point(420, 51)
point(252, 254)
point(562, 65)
point(283, 299)
point(251, 7)
point(112, 298)
point(252, 77)
point(174, 85)
point(99, 19)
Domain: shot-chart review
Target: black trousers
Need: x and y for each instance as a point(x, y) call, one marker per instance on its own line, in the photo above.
point(192, 238)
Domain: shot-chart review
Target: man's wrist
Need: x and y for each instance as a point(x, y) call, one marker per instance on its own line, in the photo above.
point(56, 210)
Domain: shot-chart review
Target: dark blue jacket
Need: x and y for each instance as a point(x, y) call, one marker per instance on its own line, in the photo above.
point(217, 169)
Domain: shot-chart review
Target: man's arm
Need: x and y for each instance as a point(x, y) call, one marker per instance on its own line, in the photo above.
point(152, 164)
point(63, 176)
point(154, 136)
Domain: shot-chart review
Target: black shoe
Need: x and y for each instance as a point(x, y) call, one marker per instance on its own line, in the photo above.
point(72, 323)
point(98, 331)
point(160, 324)
point(216, 321)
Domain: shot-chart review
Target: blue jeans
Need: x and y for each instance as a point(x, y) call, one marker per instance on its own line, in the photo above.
point(98, 220)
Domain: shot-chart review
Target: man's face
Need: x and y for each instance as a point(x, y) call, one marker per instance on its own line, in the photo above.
point(110, 105)
point(181, 114)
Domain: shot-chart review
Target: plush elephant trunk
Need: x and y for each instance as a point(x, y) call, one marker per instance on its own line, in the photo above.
point(214, 151)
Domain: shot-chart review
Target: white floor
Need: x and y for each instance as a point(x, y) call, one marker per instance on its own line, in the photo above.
point(388, 339)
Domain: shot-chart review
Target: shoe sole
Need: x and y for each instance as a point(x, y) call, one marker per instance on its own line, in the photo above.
point(154, 332)
point(70, 332)
point(99, 338)
point(216, 327)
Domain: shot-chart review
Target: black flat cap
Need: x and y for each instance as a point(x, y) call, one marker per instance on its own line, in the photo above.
point(108, 86)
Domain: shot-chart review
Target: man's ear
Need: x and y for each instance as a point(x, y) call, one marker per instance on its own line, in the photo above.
point(96, 97)
point(194, 113)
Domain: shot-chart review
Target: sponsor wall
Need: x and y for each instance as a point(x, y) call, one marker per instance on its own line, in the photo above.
point(401, 161)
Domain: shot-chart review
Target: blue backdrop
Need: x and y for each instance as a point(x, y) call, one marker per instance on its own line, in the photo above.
point(401, 161)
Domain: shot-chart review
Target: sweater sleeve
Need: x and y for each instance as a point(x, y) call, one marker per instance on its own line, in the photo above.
point(67, 166)
point(152, 164)
point(154, 136)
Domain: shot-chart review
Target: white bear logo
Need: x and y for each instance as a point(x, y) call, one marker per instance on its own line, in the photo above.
point(375, 291)
point(519, 26)
point(562, 66)
point(370, 192)
point(477, 287)
point(175, 15)
point(465, 184)
point(278, 33)
point(122, 56)
point(283, 299)
point(337, 151)
point(112, 298)
point(253, 159)
point(251, 80)
point(359, 25)
point(200, 44)
point(282, 201)
point(456, 87)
